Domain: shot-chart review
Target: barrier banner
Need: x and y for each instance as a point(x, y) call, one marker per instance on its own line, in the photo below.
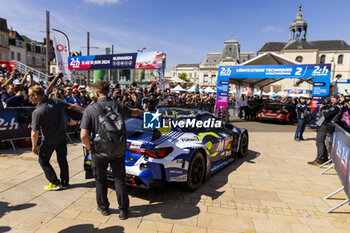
point(15, 122)
point(340, 152)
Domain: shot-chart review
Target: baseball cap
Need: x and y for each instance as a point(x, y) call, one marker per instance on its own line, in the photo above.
point(153, 82)
point(75, 85)
point(16, 82)
point(336, 96)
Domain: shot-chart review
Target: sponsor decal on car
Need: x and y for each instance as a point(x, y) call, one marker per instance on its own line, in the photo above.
point(153, 120)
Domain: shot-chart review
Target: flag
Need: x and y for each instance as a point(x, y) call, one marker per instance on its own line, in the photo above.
point(61, 44)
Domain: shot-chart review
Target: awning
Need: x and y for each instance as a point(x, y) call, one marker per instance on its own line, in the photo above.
point(177, 88)
point(263, 59)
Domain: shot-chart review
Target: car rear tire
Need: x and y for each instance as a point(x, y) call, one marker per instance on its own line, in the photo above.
point(196, 172)
point(243, 146)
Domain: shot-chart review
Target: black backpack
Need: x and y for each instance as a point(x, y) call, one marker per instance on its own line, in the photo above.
point(110, 140)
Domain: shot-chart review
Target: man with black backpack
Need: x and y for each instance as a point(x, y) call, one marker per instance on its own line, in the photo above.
point(104, 120)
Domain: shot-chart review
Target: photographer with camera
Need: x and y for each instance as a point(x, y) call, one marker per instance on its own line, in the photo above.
point(14, 94)
point(325, 126)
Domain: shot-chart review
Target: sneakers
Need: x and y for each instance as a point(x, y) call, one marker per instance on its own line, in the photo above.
point(105, 212)
point(329, 163)
point(123, 215)
point(314, 163)
point(296, 139)
point(52, 187)
point(64, 184)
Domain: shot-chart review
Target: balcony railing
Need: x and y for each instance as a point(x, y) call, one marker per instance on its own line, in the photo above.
point(24, 68)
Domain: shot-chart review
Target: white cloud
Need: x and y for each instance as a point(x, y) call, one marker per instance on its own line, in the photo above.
point(271, 29)
point(102, 2)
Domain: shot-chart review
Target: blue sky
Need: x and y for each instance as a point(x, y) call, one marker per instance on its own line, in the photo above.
point(185, 29)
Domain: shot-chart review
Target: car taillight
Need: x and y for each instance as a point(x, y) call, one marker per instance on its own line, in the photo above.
point(153, 152)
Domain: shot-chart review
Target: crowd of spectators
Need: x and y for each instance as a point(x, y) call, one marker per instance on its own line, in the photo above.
point(14, 93)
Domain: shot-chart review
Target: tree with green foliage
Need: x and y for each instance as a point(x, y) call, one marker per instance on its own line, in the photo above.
point(183, 76)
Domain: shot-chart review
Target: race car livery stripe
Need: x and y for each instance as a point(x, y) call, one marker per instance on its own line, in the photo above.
point(202, 135)
point(171, 135)
point(228, 147)
point(164, 130)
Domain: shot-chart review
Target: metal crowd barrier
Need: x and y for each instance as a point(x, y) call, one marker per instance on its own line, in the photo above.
point(15, 124)
point(338, 146)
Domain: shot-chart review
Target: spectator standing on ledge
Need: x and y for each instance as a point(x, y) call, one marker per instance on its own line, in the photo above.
point(325, 126)
point(301, 110)
point(48, 117)
point(89, 124)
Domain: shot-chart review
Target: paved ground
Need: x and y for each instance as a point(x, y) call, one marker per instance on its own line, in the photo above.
point(271, 190)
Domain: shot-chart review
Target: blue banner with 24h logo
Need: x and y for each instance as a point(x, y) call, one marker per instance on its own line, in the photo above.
point(319, 73)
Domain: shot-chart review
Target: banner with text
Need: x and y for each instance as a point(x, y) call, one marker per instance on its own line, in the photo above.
point(61, 44)
point(15, 122)
point(144, 60)
point(320, 73)
point(339, 149)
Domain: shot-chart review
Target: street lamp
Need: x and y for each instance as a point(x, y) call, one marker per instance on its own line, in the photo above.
point(141, 50)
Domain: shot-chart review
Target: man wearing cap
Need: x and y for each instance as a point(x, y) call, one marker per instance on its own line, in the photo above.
point(74, 98)
point(325, 126)
point(3, 68)
point(301, 110)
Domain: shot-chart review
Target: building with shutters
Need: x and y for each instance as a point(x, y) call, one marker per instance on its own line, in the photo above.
point(205, 73)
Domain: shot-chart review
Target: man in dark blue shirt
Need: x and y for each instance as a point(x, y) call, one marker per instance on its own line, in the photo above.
point(10, 98)
point(301, 110)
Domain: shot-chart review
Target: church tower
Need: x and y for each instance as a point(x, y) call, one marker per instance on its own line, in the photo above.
point(298, 28)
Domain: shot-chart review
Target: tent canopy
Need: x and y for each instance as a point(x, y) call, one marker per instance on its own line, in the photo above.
point(193, 89)
point(263, 59)
point(177, 88)
point(209, 90)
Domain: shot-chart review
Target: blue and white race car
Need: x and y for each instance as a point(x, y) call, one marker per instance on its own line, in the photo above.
point(178, 154)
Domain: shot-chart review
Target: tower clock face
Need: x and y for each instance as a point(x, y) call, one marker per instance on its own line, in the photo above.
point(299, 59)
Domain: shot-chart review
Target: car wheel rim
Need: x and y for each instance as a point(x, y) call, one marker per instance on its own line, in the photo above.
point(197, 171)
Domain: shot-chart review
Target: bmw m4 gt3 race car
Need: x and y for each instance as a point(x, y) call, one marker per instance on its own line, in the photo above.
point(181, 150)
